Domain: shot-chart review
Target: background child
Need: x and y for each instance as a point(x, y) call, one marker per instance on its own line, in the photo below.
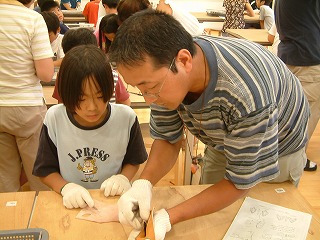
point(90, 11)
point(107, 31)
point(266, 14)
point(87, 142)
point(83, 36)
point(273, 37)
point(55, 37)
point(53, 6)
point(107, 7)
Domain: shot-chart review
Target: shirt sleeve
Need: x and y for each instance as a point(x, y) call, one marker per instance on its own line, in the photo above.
point(165, 124)
point(273, 30)
point(121, 92)
point(40, 45)
point(47, 157)
point(136, 151)
point(55, 93)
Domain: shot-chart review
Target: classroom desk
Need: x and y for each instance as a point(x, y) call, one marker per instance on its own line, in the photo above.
point(256, 35)
point(73, 16)
point(60, 222)
point(204, 17)
point(15, 208)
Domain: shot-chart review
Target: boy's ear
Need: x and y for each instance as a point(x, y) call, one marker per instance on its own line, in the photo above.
point(58, 30)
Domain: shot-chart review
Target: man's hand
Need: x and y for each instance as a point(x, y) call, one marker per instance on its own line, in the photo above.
point(76, 196)
point(115, 185)
point(134, 205)
point(161, 225)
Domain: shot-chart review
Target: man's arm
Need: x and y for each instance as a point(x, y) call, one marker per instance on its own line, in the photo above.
point(162, 158)
point(129, 170)
point(211, 200)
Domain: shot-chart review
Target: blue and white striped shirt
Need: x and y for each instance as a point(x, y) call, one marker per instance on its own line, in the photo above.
point(254, 110)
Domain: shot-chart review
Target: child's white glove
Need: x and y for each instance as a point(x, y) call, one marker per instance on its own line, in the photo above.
point(161, 225)
point(134, 205)
point(76, 196)
point(115, 185)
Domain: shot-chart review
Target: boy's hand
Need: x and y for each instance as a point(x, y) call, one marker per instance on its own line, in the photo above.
point(76, 196)
point(115, 185)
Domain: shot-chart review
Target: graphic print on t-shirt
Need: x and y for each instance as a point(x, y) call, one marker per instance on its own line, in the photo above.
point(89, 169)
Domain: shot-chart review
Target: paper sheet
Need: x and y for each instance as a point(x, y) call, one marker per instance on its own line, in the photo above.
point(264, 221)
point(103, 213)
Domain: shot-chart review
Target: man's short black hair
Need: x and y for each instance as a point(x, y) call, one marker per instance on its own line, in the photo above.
point(153, 34)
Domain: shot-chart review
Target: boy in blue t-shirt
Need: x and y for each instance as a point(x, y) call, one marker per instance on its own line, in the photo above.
point(53, 6)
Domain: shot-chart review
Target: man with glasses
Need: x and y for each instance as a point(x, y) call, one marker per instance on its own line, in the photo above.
point(233, 95)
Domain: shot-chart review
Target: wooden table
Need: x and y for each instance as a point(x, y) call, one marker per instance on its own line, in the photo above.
point(15, 208)
point(256, 35)
point(73, 16)
point(204, 17)
point(60, 222)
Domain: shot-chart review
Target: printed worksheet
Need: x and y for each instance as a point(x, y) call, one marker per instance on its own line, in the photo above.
point(258, 220)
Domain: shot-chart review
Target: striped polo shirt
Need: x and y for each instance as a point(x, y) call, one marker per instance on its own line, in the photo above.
point(253, 110)
point(24, 38)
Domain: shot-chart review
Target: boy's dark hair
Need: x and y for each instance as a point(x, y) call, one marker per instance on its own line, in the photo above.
point(80, 64)
point(49, 5)
point(128, 7)
point(111, 3)
point(267, 2)
point(40, 2)
point(150, 33)
point(51, 20)
point(108, 24)
point(76, 37)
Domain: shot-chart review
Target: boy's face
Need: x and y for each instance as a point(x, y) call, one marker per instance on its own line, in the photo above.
point(57, 11)
point(92, 109)
point(53, 36)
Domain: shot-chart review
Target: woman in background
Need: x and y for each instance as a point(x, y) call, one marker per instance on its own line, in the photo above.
point(25, 59)
point(107, 31)
point(235, 11)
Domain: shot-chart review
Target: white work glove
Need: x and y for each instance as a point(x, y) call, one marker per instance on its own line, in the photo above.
point(115, 185)
point(76, 196)
point(134, 205)
point(161, 225)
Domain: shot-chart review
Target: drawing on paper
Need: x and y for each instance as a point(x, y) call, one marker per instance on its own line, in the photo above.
point(258, 220)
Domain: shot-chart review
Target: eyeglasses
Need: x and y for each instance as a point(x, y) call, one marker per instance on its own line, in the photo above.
point(154, 95)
